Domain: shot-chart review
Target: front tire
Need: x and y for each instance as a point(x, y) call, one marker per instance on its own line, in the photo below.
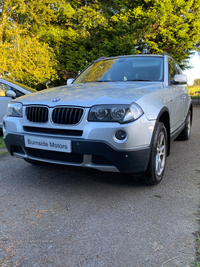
point(157, 160)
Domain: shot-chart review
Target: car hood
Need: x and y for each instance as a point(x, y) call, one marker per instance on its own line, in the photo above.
point(89, 94)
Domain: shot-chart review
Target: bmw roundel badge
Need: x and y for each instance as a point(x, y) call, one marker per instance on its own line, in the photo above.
point(56, 100)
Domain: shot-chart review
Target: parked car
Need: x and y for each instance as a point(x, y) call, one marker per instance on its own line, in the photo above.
point(8, 91)
point(120, 115)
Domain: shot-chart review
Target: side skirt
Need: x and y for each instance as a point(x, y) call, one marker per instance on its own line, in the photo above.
point(177, 132)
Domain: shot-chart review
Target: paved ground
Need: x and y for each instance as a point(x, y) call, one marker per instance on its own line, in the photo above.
point(59, 216)
point(3, 150)
point(196, 101)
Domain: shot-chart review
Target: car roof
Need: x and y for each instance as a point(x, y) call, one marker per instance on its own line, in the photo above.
point(136, 55)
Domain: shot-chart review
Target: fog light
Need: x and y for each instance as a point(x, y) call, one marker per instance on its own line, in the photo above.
point(120, 135)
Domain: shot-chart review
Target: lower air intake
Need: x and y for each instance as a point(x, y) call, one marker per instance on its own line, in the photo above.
point(55, 156)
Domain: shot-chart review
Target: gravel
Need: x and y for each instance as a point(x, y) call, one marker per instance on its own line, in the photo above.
point(62, 216)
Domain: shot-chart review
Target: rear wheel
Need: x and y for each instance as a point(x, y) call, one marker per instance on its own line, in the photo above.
point(157, 160)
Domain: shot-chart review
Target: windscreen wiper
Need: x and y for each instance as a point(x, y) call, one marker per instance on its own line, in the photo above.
point(100, 81)
point(139, 80)
point(103, 81)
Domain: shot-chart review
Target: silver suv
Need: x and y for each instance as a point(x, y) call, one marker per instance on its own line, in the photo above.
point(120, 115)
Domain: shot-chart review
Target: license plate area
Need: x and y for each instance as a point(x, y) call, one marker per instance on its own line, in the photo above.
point(46, 143)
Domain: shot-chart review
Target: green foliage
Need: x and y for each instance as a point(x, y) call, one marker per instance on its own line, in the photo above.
point(194, 92)
point(196, 264)
point(196, 82)
point(74, 33)
point(27, 60)
point(128, 27)
point(2, 144)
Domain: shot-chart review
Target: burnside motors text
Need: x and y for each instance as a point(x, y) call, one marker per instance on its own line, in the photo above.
point(47, 144)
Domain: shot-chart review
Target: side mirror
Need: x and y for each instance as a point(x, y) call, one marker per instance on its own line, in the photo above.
point(11, 93)
point(70, 81)
point(180, 79)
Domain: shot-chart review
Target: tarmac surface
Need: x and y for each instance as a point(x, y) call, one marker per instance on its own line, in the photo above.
point(62, 216)
point(2, 150)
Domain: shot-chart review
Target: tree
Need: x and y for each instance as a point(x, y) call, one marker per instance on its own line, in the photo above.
point(129, 27)
point(196, 82)
point(25, 55)
point(27, 60)
point(78, 31)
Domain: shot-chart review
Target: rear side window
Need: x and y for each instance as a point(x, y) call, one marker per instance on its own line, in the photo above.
point(173, 69)
point(178, 69)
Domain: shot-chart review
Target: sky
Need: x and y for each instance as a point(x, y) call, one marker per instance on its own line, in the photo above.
point(194, 72)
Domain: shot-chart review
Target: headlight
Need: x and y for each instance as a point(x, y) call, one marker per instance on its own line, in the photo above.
point(115, 113)
point(14, 110)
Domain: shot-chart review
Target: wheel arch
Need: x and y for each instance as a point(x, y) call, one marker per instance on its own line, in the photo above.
point(164, 117)
point(191, 110)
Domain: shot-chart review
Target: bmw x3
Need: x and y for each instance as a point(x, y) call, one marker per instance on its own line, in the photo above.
point(119, 115)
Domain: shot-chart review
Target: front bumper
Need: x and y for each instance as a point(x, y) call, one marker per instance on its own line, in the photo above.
point(85, 153)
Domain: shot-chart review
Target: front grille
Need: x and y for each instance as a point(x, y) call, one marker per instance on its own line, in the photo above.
point(37, 114)
point(53, 131)
point(67, 115)
point(54, 155)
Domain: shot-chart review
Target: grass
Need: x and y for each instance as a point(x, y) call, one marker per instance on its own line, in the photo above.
point(197, 262)
point(195, 97)
point(194, 91)
point(2, 144)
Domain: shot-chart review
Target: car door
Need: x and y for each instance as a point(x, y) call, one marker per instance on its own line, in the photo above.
point(4, 100)
point(184, 95)
point(177, 105)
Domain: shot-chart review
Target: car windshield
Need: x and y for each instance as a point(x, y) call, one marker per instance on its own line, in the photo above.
point(138, 68)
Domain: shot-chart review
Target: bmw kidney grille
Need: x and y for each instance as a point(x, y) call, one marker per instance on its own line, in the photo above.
point(60, 115)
